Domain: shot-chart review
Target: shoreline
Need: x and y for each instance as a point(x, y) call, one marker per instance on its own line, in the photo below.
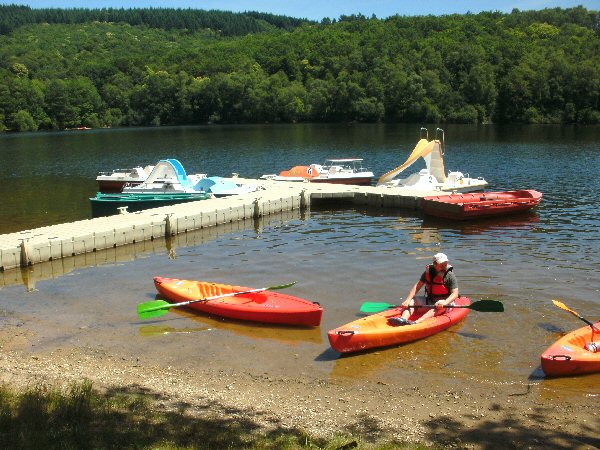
point(464, 415)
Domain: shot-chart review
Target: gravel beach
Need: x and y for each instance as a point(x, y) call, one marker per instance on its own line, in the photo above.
point(455, 413)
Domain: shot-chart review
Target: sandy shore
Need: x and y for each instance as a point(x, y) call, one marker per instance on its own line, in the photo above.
point(459, 414)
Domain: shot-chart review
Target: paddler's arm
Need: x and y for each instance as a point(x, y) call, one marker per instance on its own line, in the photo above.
point(416, 288)
point(443, 303)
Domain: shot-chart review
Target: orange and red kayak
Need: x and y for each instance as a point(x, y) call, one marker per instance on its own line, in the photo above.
point(265, 306)
point(374, 331)
point(568, 355)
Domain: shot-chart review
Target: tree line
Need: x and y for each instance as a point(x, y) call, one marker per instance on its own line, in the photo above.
point(224, 22)
point(80, 68)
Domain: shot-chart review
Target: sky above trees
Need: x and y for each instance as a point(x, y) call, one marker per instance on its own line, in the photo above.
point(317, 10)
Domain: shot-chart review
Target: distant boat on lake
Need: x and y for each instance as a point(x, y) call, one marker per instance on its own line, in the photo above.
point(336, 171)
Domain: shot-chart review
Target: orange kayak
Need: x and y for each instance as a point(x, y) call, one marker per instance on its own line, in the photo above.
point(568, 356)
point(374, 331)
point(265, 306)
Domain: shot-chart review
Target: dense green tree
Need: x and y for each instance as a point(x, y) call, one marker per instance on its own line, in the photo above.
point(479, 90)
point(227, 23)
point(22, 121)
point(79, 67)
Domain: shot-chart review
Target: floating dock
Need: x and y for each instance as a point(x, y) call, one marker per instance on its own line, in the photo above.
point(51, 243)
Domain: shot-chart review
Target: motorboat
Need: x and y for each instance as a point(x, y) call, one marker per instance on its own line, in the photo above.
point(480, 205)
point(433, 177)
point(337, 171)
point(115, 181)
point(167, 184)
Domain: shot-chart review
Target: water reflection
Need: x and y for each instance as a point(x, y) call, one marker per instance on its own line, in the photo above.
point(288, 335)
point(527, 221)
point(552, 389)
point(31, 276)
point(161, 330)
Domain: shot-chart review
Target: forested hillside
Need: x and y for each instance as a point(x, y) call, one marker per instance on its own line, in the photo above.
point(223, 22)
point(70, 68)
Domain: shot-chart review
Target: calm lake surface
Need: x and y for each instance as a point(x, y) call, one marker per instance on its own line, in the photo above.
point(340, 257)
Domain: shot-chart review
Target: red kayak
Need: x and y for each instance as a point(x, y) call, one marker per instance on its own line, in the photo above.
point(482, 204)
point(569, 356)
point(265, 306)
point(375, 331)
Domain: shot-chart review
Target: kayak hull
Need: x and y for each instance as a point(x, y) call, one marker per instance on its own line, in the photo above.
point(265, 306)
point(567, 356)
point(480, 205)
point(374, 331)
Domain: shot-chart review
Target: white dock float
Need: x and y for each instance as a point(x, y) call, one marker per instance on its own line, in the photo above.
point(55, 242)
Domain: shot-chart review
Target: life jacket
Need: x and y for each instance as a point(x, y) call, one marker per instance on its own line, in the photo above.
point(434, 282)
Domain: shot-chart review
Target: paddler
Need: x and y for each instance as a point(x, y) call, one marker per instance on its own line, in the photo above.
point(441, 289)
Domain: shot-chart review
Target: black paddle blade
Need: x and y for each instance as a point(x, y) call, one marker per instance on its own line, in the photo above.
point(487, 306)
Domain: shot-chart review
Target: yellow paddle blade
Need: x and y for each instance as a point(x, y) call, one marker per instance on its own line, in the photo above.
point(561, 305)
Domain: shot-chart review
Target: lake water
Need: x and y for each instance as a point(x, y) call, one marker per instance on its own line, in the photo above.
point(340, 257)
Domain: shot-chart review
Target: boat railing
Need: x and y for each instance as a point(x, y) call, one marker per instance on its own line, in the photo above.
point(442, 140)
point(115, 171)
point(362, 168)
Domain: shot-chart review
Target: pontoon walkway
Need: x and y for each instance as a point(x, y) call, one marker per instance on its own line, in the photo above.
point(53, 242)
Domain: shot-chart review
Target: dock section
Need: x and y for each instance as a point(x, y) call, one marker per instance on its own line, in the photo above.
point(25, 248)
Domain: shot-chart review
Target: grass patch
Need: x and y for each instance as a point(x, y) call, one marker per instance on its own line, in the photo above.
point(80, 417)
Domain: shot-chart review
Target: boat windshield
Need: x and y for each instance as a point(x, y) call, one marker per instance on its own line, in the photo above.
point(344, 165)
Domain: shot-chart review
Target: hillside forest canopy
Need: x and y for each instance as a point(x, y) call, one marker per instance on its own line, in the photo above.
point(70, 68)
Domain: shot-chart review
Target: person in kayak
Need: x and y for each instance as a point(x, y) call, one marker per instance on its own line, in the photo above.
point(441, 289)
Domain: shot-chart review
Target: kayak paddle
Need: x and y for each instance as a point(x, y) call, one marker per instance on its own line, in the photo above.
point(157, 308)
point(566, 308)
point(481, 306)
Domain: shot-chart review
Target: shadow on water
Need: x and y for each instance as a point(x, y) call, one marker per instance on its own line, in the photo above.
point(552, 328)
point(328, 354)
point(537, 374)
point(469, 335)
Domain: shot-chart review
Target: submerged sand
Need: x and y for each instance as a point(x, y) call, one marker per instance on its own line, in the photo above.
point(457, 412)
